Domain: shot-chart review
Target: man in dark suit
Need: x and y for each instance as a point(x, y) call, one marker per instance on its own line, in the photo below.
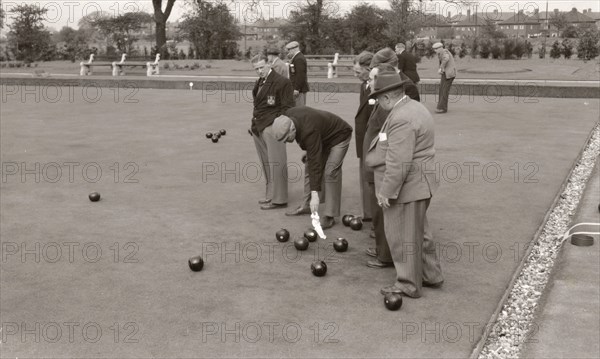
point(361, 70)
point(298, 72)
point(403, 159)
point(325, 137)
point(272, 95)
point(407, 63)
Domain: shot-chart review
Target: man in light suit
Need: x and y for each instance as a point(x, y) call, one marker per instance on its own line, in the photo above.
point(275, 62)
point(272, 95)
point(402, 157)
point(448, 71)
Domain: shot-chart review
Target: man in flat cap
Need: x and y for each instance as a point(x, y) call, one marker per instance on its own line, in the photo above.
point(298, 72)
point(325, 137)
point(402, 156)
point(272, 96)
point(388, 56)
point(275, 62)
point(447, 71)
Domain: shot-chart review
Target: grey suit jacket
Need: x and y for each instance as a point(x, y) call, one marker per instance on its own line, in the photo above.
point(403, 154)
point(447, 64)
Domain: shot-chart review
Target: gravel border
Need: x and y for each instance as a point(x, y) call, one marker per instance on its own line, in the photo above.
point(515, 319)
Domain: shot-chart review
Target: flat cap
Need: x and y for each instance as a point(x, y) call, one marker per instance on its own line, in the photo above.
point(437, 45)
point(292, 45)
point(281, 127)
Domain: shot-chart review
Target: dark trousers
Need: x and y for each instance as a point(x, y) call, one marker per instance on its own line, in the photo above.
point(445, 85)
point(381, 244)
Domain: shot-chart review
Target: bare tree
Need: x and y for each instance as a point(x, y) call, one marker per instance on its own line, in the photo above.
point(160, 18)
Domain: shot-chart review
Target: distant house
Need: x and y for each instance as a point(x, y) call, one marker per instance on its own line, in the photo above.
point(572, 17)
point(593, 15)
point(468, 26)
point(520, 25)
point(262, 29)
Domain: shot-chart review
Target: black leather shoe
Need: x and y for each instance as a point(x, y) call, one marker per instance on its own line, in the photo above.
point(376, 263)
point(327, 222)
point(298, 211)
point(273, 206)
point(433, 285)
point(371, 252)
point(264, 201)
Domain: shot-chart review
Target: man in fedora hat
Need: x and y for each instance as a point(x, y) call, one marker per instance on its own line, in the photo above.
point(402, 156)
point(325, 137)
point(276, 64)
point(298, 72)
point(447, 71)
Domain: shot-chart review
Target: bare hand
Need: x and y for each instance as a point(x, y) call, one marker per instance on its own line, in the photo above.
point(383, 202)
point(314, 202)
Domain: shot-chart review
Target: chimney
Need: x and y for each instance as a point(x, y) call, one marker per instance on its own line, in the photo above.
point(574, 9)
point(449, 15)
point(585, 11)
point(468, 14)
point(589, 10)
point(555, 11)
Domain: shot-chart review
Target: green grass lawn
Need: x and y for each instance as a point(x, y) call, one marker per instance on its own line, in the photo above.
point(469, 68)
point(168, 193)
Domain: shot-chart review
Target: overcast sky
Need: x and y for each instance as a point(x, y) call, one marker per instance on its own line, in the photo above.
point(69, 12)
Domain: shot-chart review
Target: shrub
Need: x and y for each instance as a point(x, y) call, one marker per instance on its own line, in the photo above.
point(474, 48)
point(555, 51)
point(589, 45)
point(508, 48)
point(463, 50)
point(496, 50)
point(567, 48)
point(485, 49)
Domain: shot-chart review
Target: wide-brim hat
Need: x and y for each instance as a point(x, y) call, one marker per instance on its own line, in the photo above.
point(387, 81)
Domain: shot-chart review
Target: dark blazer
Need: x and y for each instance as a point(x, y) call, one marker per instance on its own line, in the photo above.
point(408, 65)
point(298, 73)
point(317, 132)
point(361, 118)
point(274, 98)
point(410, 89)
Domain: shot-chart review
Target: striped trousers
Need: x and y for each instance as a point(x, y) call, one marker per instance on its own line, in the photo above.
point(414, 253)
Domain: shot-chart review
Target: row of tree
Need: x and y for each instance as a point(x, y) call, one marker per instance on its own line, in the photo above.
point(212, 30)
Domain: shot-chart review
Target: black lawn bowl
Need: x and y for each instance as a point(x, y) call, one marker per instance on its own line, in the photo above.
point(318, 269)
point(356, 224)
point(392, 301)
point(94, 196)
point(196, 263)
point(301, 244)
point(340, 245)
point(311, 235)
point(346, 219)
point(282, 235)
